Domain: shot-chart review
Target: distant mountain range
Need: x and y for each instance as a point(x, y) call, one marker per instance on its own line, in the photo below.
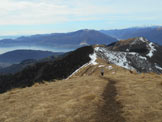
point(153, 33)
point(59, 41)
point(32, 57)
point(73, 40)
point(8, 37)
point(18, 56)
point(11, 69)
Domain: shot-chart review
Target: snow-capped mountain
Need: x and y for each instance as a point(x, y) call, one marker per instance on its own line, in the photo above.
point(134, 54)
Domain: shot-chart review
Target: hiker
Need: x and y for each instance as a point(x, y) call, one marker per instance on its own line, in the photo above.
point(102, 72)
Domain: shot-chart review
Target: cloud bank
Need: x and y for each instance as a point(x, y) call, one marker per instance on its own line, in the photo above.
point(38, 12)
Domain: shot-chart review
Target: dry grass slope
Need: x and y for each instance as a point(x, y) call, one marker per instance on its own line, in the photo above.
point(74, 100)
point(119, 96)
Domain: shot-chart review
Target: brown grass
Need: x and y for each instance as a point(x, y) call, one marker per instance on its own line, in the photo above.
point(74, 100)
point(141, 96)
point(119, 96)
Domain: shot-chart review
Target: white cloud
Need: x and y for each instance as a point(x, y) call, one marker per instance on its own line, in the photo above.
point(53, 11)
point(29, 12)
point(32, 12)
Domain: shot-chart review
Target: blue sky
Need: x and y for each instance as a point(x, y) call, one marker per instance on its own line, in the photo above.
point(50, 16)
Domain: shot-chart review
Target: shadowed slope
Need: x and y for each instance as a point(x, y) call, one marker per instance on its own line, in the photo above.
point(58, 69)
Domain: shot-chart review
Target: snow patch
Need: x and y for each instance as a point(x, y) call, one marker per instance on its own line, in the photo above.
point(142, 39)
point(113, 72)
point(132, 53)
point(139, 39)
point(138, 55)
point(101, 66)
point(93, 59)
point(97, 49)
point(158, 67)
point(142, 57)
point(85, 65)
point(152, 49)
point(110, 67)
point(127, 50)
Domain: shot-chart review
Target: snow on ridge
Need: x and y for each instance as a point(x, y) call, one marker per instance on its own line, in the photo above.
point(139, 39)
point(118, 58)
point(97, 49)
point(77, 70)
point(152, 49)
point(142, 39)
point(93, 58)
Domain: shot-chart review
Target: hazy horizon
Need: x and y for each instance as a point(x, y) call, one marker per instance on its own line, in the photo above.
point(8, 49)
point(14, 36)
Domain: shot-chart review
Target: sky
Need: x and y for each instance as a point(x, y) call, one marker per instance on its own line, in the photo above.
point(23, 17)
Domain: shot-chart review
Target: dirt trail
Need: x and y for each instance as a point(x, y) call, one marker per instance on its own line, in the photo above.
point(112, 109)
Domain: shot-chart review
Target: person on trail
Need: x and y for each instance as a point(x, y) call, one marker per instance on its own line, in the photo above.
point(102, 72)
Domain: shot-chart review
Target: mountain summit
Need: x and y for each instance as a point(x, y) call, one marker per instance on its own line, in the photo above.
point(135, 54)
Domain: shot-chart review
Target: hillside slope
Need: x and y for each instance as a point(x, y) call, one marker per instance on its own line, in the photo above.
point(17, 67)
point(47, 70)
point(118, 96)
point(18, 56)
